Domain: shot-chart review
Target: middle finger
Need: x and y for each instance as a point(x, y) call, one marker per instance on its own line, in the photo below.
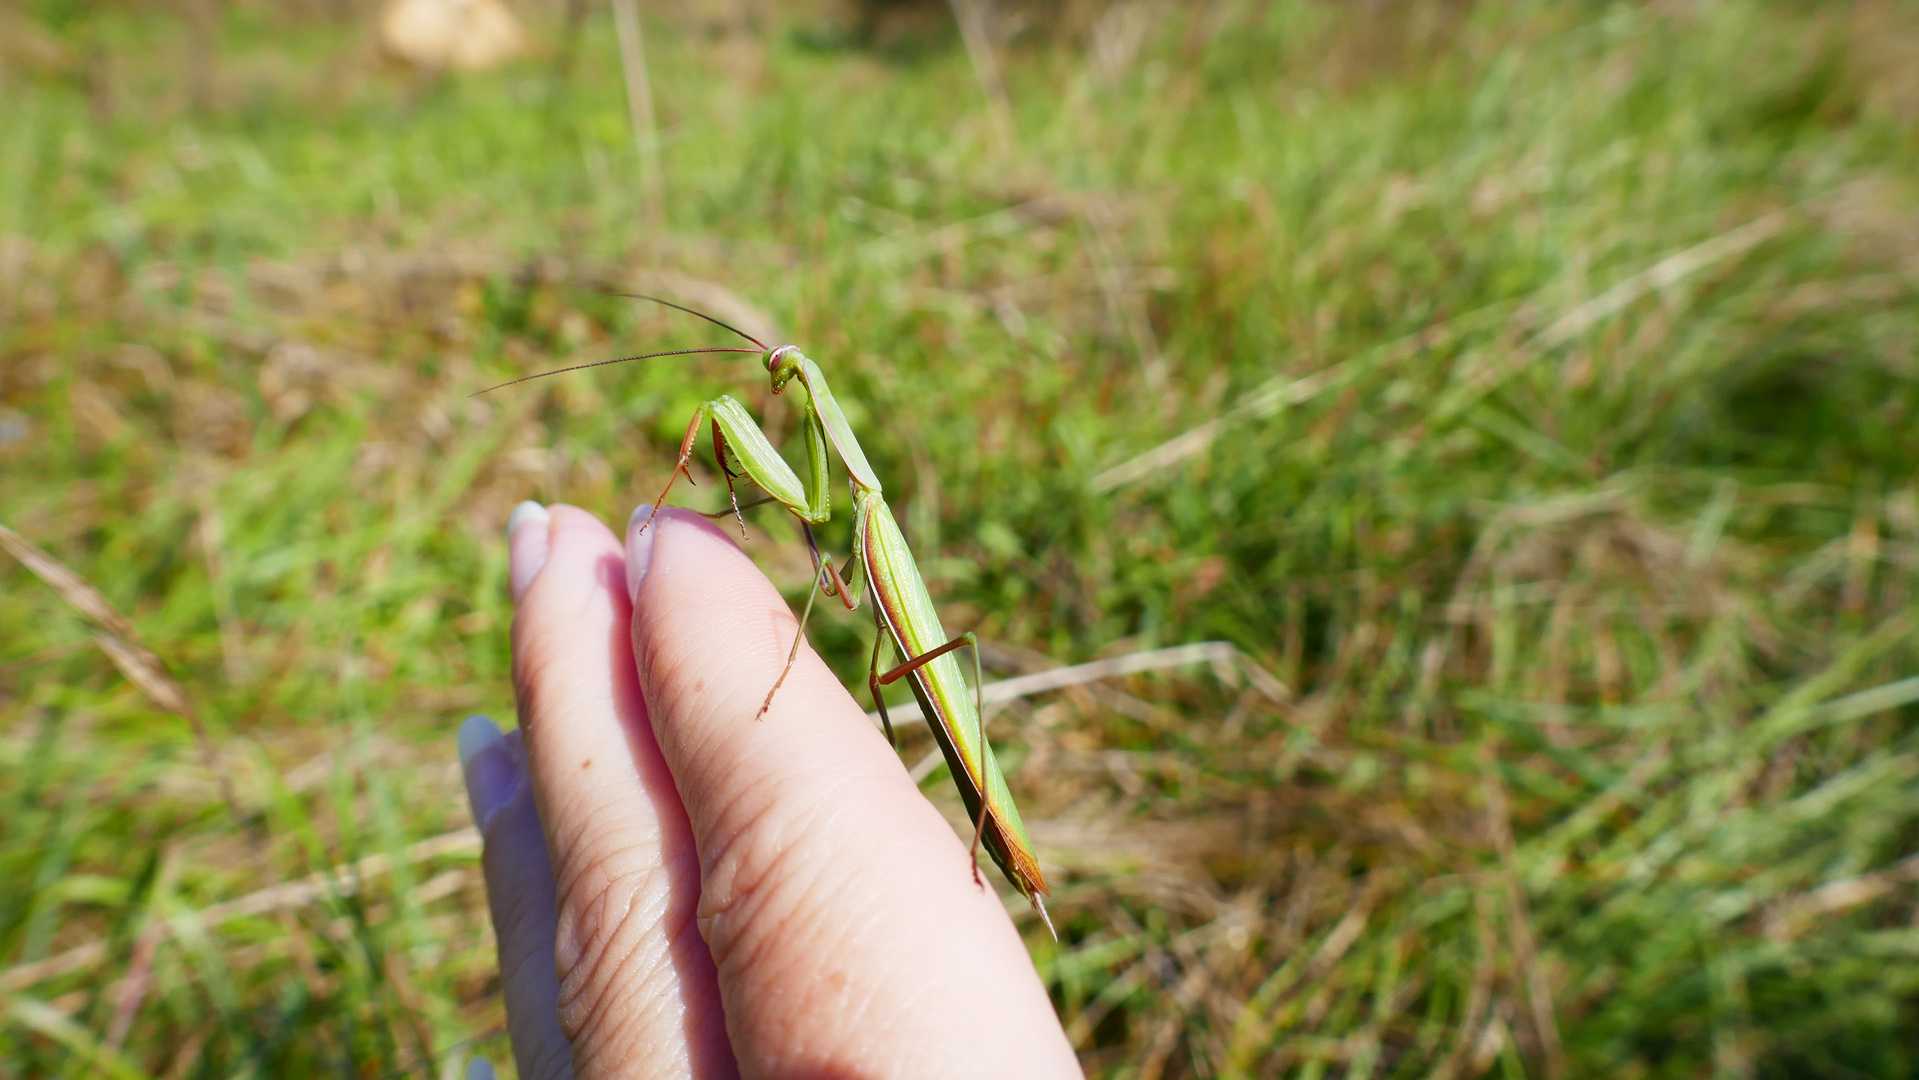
point(638, 994)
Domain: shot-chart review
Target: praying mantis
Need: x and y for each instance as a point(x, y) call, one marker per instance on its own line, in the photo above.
point(881, 561)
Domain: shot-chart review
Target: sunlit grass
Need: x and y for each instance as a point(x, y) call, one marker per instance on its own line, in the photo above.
point(1582, 551)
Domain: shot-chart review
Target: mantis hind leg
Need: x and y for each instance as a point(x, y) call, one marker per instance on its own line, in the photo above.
point(873, 676)
point(913, 664)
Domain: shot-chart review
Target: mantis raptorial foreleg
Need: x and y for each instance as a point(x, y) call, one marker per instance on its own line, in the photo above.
point(742, 449)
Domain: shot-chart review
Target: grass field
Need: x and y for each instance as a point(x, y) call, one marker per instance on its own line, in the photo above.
point(1532, 389)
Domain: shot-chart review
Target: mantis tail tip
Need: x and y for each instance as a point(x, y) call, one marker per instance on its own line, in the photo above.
point(1040, 906)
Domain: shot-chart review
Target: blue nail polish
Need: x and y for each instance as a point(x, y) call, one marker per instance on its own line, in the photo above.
point(476, 732)
point(492, 780)
point(492, 775)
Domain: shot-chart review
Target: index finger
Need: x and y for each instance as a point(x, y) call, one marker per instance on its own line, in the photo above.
point(839, 906)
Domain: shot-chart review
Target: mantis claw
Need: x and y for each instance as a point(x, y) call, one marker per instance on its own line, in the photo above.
point(737, 516)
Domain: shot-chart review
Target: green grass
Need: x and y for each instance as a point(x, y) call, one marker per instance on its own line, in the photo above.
point(1574, 572)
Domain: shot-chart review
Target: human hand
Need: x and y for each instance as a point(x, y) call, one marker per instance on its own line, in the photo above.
point(681, 890)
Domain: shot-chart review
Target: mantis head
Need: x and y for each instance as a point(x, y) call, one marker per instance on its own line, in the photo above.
point(783, 363)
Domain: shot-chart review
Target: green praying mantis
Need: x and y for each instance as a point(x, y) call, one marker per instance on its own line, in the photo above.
point(881, 561)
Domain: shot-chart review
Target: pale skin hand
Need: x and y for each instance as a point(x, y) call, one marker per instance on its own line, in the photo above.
point(700, 894)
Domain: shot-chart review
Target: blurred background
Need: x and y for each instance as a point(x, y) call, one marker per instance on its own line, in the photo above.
point(1528, 391)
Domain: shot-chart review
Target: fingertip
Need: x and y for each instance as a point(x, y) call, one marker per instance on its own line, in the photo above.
point(489, 766)
point(527, 545)
point(560, 552)
point(476, 733)
point(527, 511)
point(479, 1069)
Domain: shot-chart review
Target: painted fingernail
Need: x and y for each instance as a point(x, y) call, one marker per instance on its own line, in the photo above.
point(479, 1069)
point(526, 545)
point(639, 549)
point(492, 776)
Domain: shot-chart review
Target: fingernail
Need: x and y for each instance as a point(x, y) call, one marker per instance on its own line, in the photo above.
point(492, 777)
point(526, 545)
point(639, 549)
point(479, 1069)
